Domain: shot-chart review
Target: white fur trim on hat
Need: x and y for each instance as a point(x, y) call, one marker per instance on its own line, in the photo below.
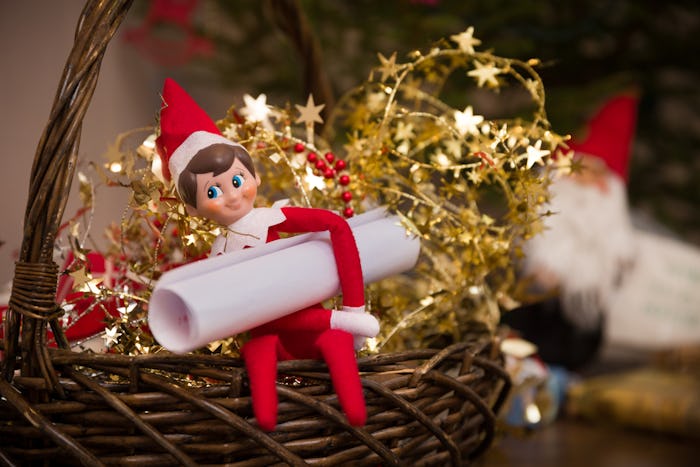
point(194, 143)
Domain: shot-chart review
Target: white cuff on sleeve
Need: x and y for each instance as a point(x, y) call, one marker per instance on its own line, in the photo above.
point(357, 324)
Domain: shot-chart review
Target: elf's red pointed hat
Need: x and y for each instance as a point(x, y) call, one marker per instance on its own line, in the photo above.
point(610, 133)
point(185, 129)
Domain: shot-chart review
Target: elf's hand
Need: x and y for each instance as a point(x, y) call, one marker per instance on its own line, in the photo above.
point(357, 322)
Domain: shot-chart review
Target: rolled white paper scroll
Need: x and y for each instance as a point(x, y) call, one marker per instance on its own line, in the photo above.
point(231, 293)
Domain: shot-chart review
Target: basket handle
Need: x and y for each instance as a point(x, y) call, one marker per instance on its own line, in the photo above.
point(32, 303)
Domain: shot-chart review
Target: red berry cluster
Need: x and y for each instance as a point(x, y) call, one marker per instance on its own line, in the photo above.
point(330, 168)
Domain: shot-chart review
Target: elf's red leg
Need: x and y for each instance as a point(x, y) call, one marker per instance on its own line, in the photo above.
point(260, 356)
point(336, 346)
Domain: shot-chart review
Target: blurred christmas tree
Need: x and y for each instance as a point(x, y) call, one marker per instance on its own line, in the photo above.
point(590, 50)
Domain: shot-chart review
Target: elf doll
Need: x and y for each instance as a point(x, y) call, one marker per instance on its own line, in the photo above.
point(216, 179)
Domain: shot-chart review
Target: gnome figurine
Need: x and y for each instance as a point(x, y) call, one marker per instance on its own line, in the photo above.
point(587, 245)
point(216, 179)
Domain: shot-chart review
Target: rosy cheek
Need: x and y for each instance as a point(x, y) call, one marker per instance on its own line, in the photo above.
point(249, 191)
point(211, 208)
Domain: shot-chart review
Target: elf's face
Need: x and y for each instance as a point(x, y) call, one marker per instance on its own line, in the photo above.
point(227, 197)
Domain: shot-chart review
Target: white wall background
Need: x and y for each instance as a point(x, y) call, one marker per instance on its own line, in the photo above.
point(35, 39)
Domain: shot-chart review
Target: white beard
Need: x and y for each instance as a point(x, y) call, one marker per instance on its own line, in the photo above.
point(586, 245)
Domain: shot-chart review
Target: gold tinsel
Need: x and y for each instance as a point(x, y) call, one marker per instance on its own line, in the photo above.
point(470, 186)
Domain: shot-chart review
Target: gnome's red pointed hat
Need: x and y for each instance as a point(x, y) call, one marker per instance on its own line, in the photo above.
point(185, 129)
point(610, 133)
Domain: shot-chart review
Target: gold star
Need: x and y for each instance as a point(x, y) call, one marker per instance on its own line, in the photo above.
point(80, 278)
point(474, 177)
point(231, 132)
point(564, 163)
point(113, 156)
point(466, 122)
point(310, 113)
point(257, 110)
point(466, 40)
point(404, 131)
point(125, 310)
point(111, 336)
point(485, 74)
point(535, 154)
point(388, 67)
point(314, 181)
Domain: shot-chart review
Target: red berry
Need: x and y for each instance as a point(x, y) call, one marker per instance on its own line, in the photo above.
point(330, 157)
point(344, 180)
point(348, 212)
point(340, 165)
point(320, 165)
point(329, 173)
point(299, 147)
point(312, 157)
point(346, 196)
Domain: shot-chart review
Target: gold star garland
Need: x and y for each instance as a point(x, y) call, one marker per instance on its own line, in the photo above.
point(470, 187)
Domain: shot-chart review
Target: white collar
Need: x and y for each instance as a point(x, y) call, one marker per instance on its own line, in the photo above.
point(251, 230)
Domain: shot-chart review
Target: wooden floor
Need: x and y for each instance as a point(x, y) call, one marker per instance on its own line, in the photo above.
point(579, 443)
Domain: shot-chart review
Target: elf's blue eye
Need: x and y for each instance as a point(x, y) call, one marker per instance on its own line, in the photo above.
point(214, 192)
point(237, 181)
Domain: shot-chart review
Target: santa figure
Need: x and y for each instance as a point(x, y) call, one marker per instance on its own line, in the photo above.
point(216, 179)
point(587, 245)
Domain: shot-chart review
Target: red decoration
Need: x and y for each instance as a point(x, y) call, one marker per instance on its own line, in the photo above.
point(330, 167)
point(90, 318)
point(169, 15)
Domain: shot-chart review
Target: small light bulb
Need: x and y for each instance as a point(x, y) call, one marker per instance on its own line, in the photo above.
point(532, 414)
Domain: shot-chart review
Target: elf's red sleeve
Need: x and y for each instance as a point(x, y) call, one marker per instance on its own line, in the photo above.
point(347, 257)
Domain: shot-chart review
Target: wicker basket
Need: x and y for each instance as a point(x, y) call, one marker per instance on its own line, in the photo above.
point(428, 407)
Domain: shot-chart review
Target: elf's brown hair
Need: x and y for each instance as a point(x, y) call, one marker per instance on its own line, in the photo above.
point(216, 159)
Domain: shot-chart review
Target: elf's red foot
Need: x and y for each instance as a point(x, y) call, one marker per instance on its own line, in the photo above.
point(339, 354)
point(260, 356)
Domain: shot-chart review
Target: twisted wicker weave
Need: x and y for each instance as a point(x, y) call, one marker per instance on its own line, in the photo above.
point(428, 407)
